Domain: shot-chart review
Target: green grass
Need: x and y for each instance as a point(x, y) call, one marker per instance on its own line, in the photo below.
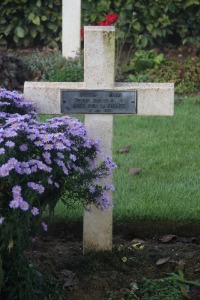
point(167, 151)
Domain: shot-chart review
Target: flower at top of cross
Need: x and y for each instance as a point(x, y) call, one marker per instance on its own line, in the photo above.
point(109, 20)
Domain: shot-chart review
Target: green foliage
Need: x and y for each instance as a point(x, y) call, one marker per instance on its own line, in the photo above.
point(149, 23)
point(28, 22)
point(54, 67)
point(156, 289)
point(150, 66)
point(151, 289)
point(143, 60)
point(185, 74)
point(13, 70)
point(142, 23)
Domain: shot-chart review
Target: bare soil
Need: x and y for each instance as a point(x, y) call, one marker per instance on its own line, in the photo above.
point(143, 249)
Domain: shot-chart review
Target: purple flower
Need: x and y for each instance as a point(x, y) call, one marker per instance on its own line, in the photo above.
point(91, 189)
point(72, 157)
point(14, 204)
point(2, 151)
point(16, 190)
point(110, 186)
point(44, 226)
point(4, 171)
point(23, 147)
point(10, 144)
point(104, 201)
point(1, 220)
point(49, 180)
point(35, 211)
point(24, 205)
point(37, 187)
point(109, 163)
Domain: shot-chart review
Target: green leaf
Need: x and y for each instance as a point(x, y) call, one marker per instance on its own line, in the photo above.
point(36, 20)
point(144, 41)
point(38, 3)
point(33, 32)
point(20, 32)
point(31, 16)
point(137, 26)
point(150, 27)
point(43, 18)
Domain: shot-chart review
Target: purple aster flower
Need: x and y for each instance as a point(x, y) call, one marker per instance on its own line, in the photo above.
point(24, 205)
point(59, 146)
point(49, 180)
point(72, 157)
point(91, 189)
point(35, 211)
point(10, 133)
point(60, 155)
point(2, 151)
point(23, 147)
point(109, 163)
point(110, 186)
point(1, 220)
point(12, 161)
point(16, 190)
point(32, 137)
point(10, 144)
point(56, 184)
point(44, 226)
point(4, 171)
point(48, 146)
point(104, 201)
point(14, 204)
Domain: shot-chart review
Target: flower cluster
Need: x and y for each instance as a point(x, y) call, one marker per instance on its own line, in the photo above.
point(41, 161)
point(109, 20)
point(12, 102)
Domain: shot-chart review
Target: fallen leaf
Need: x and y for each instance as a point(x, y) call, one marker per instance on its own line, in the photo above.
point(138, 246)
point(134, 241)
point(134, 170)
point(70, 280)
point(124, 149)
point(184, 293)
point(162, 261)
point(168, 238)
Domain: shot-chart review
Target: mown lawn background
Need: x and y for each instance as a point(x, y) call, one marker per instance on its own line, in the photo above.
point(167, 151)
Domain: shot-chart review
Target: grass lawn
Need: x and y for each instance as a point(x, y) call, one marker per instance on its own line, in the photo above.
point(167, 151)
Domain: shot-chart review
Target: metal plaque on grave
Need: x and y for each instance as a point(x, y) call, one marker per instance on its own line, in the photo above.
point(98, 102)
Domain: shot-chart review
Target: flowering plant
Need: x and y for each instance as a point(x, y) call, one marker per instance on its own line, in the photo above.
point(40, 162)
point(12, 102)
point(109, 20)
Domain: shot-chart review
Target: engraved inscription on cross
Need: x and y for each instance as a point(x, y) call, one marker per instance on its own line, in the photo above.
point(99, 64)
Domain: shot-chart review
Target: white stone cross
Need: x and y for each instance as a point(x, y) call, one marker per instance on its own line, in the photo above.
point(71, 27)
point(99, 63)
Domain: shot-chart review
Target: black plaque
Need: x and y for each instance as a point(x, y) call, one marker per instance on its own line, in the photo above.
point(98, 102)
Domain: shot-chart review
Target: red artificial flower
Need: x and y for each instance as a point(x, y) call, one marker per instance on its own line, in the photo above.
point(111, 18)
point(82, 32)
point(103, 23)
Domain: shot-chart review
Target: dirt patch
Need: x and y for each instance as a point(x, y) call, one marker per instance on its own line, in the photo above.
point(154, 255)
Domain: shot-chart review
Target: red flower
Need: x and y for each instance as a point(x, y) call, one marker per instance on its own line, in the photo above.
point(111, 18)
point(103, 23)
point(82, 32)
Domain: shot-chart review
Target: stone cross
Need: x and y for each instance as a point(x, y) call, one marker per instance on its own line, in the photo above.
point(99, 64)
point(71, 26)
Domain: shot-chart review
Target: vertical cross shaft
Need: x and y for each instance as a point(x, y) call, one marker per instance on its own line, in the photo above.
point(99, 52)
